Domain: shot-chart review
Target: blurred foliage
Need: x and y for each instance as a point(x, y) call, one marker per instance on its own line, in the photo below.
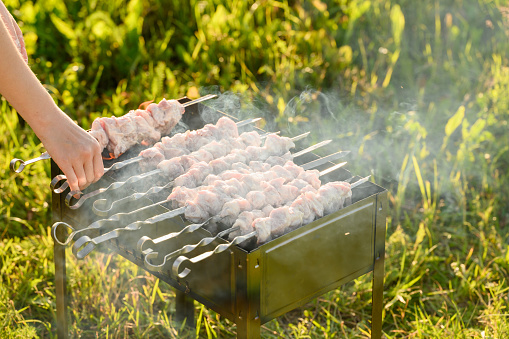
point(416, 90)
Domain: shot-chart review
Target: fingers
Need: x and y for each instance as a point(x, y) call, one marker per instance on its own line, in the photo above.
point(89, 167)
point(72, 180)
point(89, 171)
point(79, 170)
point(98, 167)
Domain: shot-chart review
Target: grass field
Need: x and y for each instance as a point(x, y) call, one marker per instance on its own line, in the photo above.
point(418, 91)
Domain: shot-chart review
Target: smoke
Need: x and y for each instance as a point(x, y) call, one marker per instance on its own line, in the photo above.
point(382, 138)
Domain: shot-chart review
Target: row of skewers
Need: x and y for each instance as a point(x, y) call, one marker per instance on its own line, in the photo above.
point(254, 191)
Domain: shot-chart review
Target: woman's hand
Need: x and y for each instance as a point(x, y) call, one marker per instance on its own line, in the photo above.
point(75, 151)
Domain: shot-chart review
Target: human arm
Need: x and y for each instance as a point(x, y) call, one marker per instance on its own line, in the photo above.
point(14, 31)
point(76, 152)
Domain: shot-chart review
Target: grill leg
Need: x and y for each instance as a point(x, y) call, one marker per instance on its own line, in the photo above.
point(184, 309)
point(61, 290)
point(248, 329)
point(377, 299)
point(378, 269)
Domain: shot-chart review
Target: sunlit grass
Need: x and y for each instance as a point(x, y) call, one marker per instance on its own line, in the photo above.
point(416, 90)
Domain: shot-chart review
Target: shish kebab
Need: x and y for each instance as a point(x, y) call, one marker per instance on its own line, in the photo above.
point(137, 125)
point(179, 144)
point(263, 228)
point(213, 197)
point(118, 217)
point(103, 207)
point(290, 181)
point(234, 149)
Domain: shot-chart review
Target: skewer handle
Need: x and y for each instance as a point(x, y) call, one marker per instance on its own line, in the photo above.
point(70, 196)
point(188, 229)
point(62, 186)
point(185, 249)
point(89, 244)
point(69, 237)
point(219, 248)
point(23, 164)
point(100, 209)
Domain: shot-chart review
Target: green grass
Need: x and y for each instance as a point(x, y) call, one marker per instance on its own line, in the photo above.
point(418, 91)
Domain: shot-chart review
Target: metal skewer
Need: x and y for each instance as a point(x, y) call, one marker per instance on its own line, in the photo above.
point(100, 205)
point(119, 217)
point(324, 160)
point(182, 259)
point(312, 148)
point(220, 248)
point(188, 229)
point(71, 195)
point(114, 219)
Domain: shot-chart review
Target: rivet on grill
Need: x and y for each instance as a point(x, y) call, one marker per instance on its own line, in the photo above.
point(240, 315)
point(257, 263)
point(240, 265)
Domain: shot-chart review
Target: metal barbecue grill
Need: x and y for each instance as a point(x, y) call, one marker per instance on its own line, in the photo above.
point(249, 285)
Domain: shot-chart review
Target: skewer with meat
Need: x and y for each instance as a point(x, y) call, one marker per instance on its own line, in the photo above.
point(246, 190)
point(303, 210)
point(118, 134)
point(190, 141)
point(171, 147)
point(232, 151)
point(275, 147)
